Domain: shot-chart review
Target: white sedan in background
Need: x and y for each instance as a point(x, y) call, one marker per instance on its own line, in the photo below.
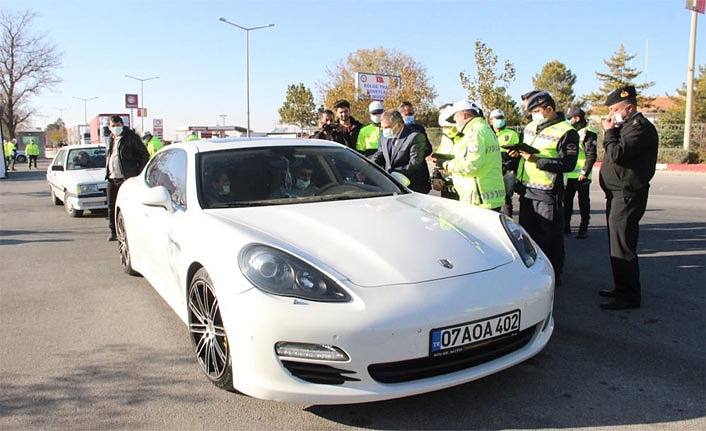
point(76, 178)
point(305, 273)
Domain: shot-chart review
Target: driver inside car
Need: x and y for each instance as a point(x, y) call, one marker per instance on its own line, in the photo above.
point(301, 184)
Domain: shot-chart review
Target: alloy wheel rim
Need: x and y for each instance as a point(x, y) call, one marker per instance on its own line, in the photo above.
point(207, 331)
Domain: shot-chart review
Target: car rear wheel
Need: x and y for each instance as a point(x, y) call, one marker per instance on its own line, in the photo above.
point(208, 335)
point(123, 247)
point(54, 199)
point(73, 212)
point(21, 159)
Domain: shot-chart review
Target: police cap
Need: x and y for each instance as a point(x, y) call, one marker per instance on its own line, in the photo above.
point(575, 111)
point(541, 98)
point(623, 93)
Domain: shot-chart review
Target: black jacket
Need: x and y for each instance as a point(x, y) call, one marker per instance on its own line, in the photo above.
point(630, 156)
point(406, 156)
point(132, 154)
point(350, 137)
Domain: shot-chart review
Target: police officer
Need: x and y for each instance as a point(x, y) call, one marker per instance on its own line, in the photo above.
point(540, 176)
point(630, 145)
point(369, 135)
point(477, 165)
point(506, 137)
point(579, 180)
point(449, 134)
point(32, 151)
point(152, 143)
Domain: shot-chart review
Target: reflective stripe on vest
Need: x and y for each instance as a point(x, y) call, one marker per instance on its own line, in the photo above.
point(546, 141)
point(581, 160)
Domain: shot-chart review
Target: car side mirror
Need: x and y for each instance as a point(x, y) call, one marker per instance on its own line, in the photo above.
point(57, 168)
point(157, 196)
point(401, 178)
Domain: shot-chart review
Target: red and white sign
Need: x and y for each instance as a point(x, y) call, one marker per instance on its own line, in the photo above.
point(131, 101)
point(696, 5)
point(158, 128)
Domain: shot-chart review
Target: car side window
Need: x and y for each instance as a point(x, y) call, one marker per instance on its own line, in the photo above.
point(59, 160)
point(168, 169)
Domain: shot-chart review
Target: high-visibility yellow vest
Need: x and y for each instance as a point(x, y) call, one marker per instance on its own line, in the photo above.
point(368, 138)
point(546, 141)
point(507, 137)
point(32, 149)
point(581, 160)
point(477, 166)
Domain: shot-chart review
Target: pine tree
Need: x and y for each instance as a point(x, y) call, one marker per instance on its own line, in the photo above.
point(619, 74)
point(556, 78)
point(299, 107)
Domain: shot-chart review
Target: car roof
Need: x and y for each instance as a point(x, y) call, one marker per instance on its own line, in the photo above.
point(208, 145)
point(74, 147)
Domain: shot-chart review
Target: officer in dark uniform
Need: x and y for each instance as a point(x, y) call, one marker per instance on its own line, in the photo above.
point(629, 161)
point(579, 180)
point(540, 176)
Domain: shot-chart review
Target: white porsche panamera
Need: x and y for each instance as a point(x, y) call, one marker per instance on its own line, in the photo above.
point(305, 273)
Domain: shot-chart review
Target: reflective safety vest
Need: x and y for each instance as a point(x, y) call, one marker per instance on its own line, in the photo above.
point(581, 160)
point(368, 138)
point(477, 166)
point(507, 137)
point(546, 141)
point(153, 145)
point(32, 149)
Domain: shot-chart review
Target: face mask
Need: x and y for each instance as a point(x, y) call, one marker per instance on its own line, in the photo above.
point(538, 116)
point(375, 118)
point(458, 126)
point(117, 130)
point(409, 120)
point(302, 184)
point(225, 189)
point(387, 133)
point(499, 123)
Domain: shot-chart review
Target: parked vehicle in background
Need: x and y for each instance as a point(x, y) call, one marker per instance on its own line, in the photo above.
point(76, 178)
point(20, 156)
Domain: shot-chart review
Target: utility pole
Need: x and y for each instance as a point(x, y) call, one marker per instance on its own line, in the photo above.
point(697, 6)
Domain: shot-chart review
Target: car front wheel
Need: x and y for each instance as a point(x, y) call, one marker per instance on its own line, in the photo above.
point(54, 199)
point(124, 248)
point(73, 212)
point(208, 335)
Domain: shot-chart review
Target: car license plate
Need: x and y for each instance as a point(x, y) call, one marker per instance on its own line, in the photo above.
point(454, 339)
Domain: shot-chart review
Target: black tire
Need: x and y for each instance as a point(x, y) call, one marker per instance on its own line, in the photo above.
point(207, 333)
point(73, 212)
point(54, 199)
point(123, 247)
point(20, 159)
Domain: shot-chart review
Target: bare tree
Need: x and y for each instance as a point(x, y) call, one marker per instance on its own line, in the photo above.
point(27, 65)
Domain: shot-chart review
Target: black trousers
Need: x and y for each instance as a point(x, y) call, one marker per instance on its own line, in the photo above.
point(30, 159)
point(111, 192)
point(544, 222)
point(623, 214)
point(573, 185)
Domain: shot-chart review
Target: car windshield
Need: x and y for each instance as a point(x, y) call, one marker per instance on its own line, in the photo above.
point(85, 158)
point(286, 175)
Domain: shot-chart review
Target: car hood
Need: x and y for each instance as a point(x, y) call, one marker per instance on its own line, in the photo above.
point(83, 176)
point(382, 241)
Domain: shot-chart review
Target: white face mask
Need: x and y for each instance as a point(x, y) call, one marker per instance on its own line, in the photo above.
point(302, 184)
point(387, 133)
point(537, 116)
point(376, 118)
point(117, 130)
point(617, 118)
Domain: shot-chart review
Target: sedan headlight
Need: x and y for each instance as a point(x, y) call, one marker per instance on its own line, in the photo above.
point(279, 273)
point(83, 189)
point(521, 240)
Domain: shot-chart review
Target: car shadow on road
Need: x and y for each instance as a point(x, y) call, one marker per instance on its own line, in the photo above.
point(601, 368)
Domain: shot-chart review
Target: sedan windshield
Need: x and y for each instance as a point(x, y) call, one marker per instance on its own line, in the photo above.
point(284, 175)
point(86, 158)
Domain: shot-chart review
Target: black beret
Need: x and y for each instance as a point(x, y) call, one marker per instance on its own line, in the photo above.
point(541, 98)
point(623, 93)
point(575, 111)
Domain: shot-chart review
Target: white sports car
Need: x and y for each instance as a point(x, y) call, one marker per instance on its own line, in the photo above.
point(305, 273)
point(76, 178)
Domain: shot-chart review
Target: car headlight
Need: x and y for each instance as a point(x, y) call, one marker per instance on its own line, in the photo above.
point(521, 240)
point(279, 273)
point(86, 188)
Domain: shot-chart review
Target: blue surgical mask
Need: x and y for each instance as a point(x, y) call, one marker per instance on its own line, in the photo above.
point(387, 133)
point(117, 130)
point(499, 123)
point(225, 189)
point(409, 120)
point(302, 184)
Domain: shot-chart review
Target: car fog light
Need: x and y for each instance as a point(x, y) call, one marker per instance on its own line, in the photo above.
point(310, 351)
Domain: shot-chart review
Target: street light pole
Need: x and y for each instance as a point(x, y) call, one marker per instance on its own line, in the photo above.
point(247, 64)
point(142, 95)
point(85, 117)
point(61, 112)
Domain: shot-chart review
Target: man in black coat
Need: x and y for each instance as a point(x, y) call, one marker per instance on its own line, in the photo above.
point(629, 161)
point(126, 157)
point(403, 150)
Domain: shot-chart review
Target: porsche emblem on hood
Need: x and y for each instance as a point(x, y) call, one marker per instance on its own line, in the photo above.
point(446, 263)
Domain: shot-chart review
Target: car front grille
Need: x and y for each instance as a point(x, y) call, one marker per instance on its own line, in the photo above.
point(420, 368)
point(319, 373)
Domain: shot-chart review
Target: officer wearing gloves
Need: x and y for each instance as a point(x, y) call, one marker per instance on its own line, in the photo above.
point(540, 176)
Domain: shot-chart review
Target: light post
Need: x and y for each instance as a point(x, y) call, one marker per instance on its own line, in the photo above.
point(223, 118)
point(85, 117)
point(61, 112)
point(247, 64)
point(142, 95)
